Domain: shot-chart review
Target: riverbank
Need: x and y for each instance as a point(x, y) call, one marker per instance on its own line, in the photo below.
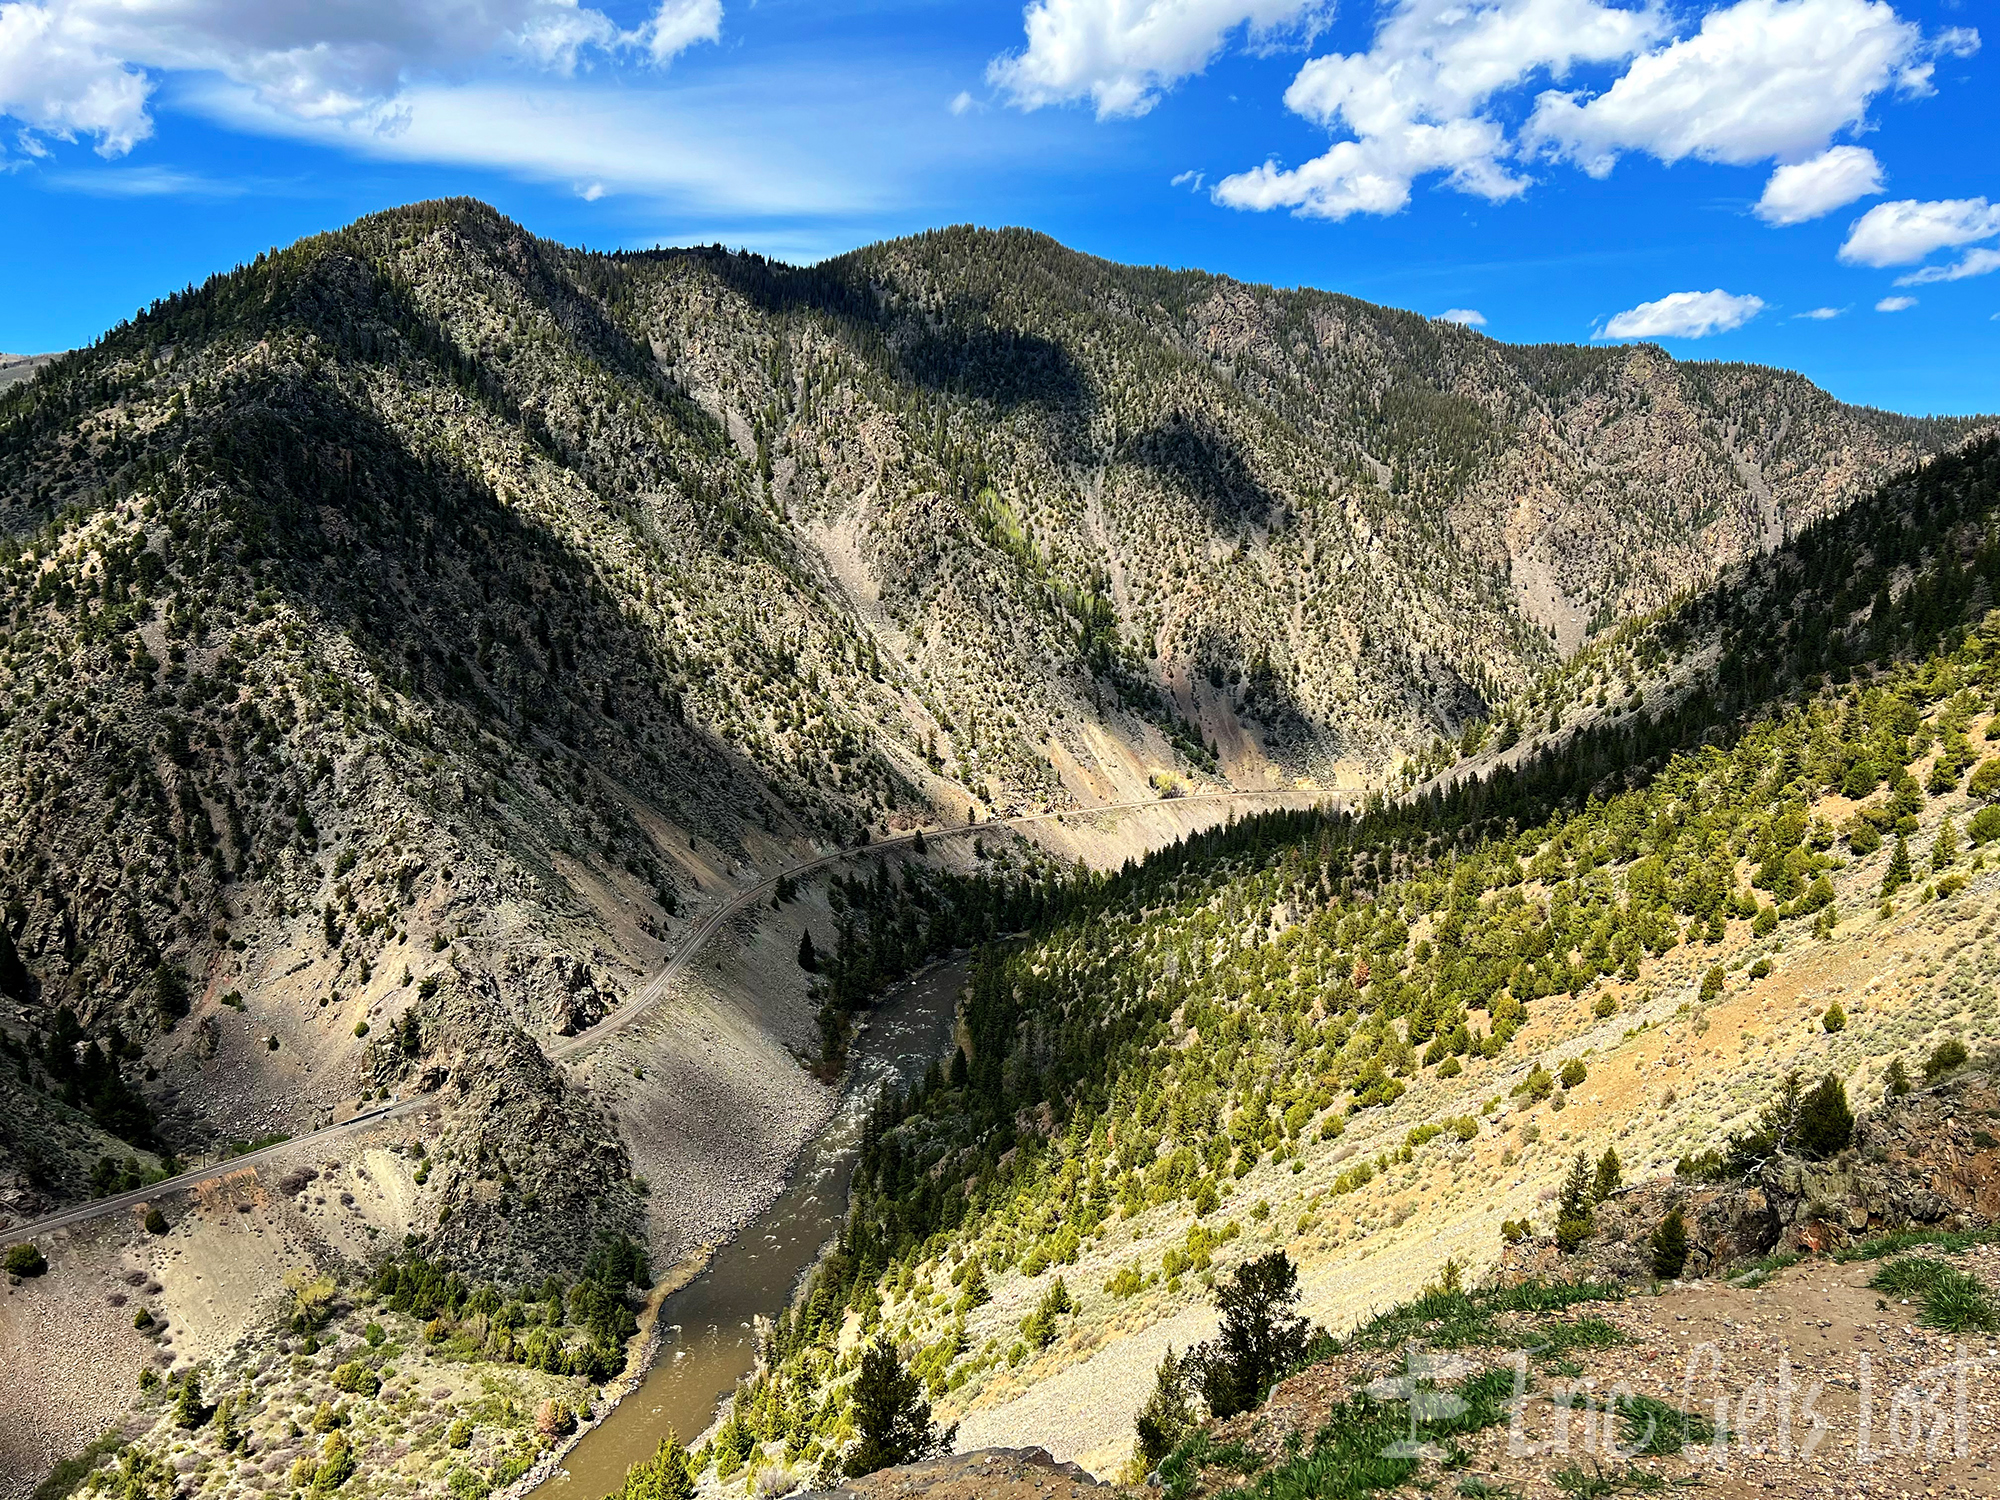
point(703, 1338)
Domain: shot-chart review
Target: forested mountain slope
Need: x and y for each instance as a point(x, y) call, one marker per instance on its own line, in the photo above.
point(1377, 1041)
point(406, 632)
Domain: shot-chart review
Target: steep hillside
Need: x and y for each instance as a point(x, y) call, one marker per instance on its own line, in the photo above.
point(408, 634)
point(1377, 1042)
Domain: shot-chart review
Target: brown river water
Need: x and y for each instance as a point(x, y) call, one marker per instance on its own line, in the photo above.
point(708, 1344)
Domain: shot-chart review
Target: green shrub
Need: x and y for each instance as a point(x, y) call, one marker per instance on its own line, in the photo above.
point(1835, 1018)
point(1948, 1054)
point(25, 1259)
point(1573, 1073)
point(356, 1378)
point(156, 1222)
point(1826, 1123)
point(1703, 1166)
point(336, 1463)
point(1897, 1082)
point(1128, 1281)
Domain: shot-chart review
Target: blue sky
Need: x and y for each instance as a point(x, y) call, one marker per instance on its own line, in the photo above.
point(1804, 183)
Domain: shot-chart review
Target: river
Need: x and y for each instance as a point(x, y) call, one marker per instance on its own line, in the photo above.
point(708, 1345)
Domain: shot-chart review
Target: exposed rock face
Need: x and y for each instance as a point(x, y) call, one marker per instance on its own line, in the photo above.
point(983, 1474)
point(537, 1171)
point(561, 992)
point(1923, 1161)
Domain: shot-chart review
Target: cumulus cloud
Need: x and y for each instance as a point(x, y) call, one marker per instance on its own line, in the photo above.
point(71, 68)
point(1416, 102)
point(1904, 232)
point(1438, 88)
point(1683, 315)
point(1896, 304)
point(1760, 79)
point(1818, 185)
point(1464, 317)
point(1122, 54)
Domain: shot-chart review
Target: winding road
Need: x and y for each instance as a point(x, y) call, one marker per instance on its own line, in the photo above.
point(568, 1049)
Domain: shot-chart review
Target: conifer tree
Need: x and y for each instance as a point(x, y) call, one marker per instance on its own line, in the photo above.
point(188, 1408)
point(664, 1476)
point(1670, 1246)
point(1574, 1218)
point(890, 1413)
point(1168, 1415)
point(1610, 1176)
point(1944, 848)
point(1898, 874)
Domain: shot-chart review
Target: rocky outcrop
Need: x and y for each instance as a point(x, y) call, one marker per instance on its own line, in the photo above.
point(1927, 1160)
point(983, 1474)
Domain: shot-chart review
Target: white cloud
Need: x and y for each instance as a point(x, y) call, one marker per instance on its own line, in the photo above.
point(1683, 315)
point(679, 24)
point(1121, 54)
point(1464, 317)
point(1896, 304)
point(71, 68)
point(1900, 233)
point(1415, 102)
point(733, 151)
point(1972, 263)
point(1821, 314)
point(1190, 179)
point(1820, 184)
point(961, 102)
point(1760, 79)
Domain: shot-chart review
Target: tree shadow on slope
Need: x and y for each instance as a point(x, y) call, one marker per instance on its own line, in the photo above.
point(458, 599)
point(963, 350)
point(1196, 458)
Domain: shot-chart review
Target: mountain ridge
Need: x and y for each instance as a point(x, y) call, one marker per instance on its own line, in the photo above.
point(540, 555)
